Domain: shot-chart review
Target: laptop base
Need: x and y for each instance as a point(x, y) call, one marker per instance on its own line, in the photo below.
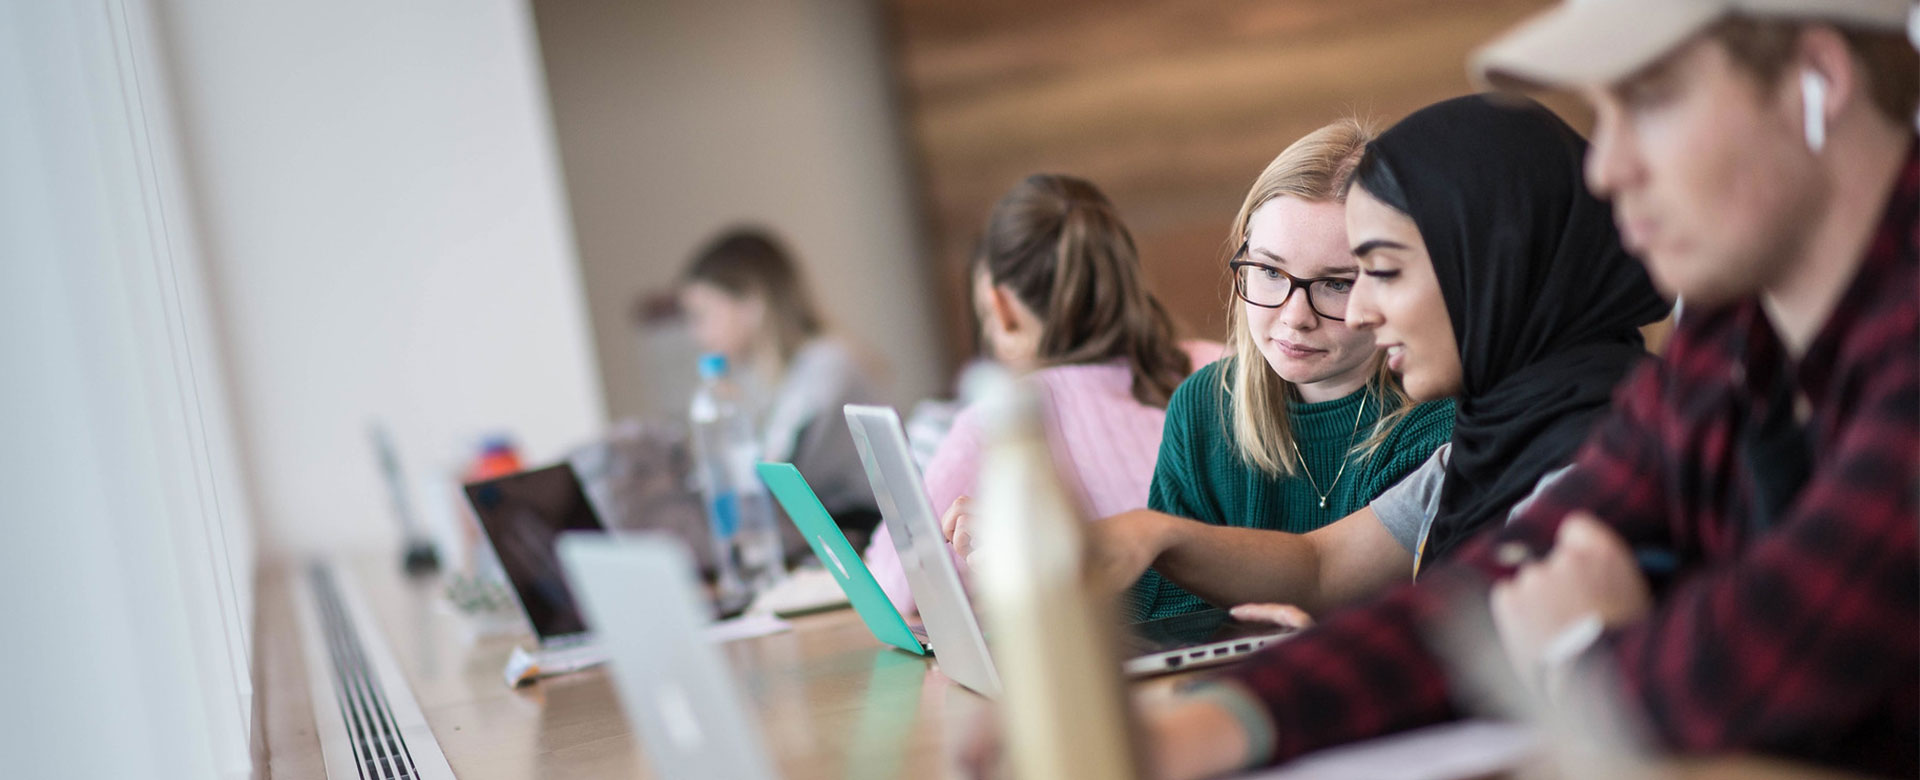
point(1195, 639)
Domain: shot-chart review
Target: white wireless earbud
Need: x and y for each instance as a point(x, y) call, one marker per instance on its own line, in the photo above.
point(1813, 100)
point(1913, 34)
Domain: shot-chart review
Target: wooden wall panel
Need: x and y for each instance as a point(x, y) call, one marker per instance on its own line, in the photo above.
point(1170, 106)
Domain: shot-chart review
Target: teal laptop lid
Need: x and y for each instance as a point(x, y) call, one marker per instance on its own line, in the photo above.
point(841, 560)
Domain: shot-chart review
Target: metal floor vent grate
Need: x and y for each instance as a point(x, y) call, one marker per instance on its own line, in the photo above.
point(378, 746)
point(370, 726)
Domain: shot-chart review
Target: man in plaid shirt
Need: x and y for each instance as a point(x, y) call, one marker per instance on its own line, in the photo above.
point(1760, 157)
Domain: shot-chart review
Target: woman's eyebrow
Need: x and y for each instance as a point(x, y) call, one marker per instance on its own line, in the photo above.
point(1369, 247)
point(1325, 270)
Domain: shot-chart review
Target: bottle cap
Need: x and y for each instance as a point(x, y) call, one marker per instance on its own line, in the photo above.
point(496, 443)
point(713, 365)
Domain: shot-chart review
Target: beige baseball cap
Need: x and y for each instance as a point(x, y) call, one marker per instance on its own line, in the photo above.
point(1593, 42)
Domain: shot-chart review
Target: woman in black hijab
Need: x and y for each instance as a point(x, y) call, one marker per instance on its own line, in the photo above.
point(1480, 201)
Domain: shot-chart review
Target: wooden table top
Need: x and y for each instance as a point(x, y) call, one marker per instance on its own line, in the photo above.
point(832, 701)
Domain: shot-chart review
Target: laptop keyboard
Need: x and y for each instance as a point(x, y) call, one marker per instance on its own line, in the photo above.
point(1177, 631)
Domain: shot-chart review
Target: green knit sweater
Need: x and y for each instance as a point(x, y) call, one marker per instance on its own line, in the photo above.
point(1201, 476)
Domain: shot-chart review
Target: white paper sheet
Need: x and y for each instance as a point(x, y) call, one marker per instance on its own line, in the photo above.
point(746, 626)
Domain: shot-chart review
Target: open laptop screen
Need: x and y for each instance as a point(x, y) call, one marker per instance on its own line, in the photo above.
point(523, 516)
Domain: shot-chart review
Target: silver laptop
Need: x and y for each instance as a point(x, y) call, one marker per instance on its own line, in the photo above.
point(1180, 642)
point(945, 610)
point(638, 593)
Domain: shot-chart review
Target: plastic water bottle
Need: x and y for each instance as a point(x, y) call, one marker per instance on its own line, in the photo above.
point(746, 541)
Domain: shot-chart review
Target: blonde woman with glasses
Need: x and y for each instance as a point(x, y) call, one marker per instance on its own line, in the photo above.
point(1302, 423)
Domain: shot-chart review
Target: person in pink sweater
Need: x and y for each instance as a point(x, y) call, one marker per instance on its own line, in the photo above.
point(1061, 298)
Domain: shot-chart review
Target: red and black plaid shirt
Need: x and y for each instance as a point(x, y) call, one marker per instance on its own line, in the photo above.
point(1802, 640)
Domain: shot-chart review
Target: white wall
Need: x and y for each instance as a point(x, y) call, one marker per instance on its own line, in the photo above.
point(677, 118)
point(129, 557)
point(389, 240)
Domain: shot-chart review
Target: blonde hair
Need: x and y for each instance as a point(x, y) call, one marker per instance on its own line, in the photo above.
point(1315, 169)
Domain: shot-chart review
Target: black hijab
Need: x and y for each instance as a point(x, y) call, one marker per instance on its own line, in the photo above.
point(1545, 303)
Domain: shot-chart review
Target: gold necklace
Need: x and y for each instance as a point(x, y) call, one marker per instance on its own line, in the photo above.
point(1293, 440)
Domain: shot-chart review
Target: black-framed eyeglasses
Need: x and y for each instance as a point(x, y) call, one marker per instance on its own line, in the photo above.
point(1269, 288)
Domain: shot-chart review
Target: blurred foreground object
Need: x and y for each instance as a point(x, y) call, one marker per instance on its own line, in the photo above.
point(1063, 708)
point(1586, 730)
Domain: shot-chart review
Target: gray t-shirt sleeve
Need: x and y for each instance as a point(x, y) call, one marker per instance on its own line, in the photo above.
point(1546, 482)
point(1407, 507)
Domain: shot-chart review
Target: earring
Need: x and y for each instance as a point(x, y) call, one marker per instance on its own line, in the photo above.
point(1813, 99)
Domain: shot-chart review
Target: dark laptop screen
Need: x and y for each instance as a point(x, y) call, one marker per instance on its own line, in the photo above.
point(524, 515)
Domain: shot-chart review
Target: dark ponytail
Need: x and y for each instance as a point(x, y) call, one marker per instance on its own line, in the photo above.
point(1059, 245)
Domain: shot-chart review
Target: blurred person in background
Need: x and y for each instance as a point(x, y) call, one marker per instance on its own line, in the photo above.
point(1061, 299)
point(1761, 160)
point(745, 298)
